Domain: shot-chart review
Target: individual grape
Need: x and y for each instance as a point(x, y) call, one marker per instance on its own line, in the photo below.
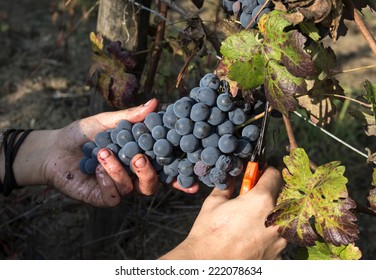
point(193, 93)
point(199, 112)
point(237, 116)
point(206, 180)
point(210, 80)
point(259, 107)
point(152, 119)
point(88, 148)
point(185, 167)
point(138, 129)
point(131, 149)
point(225, 102)
point(173, 137)
point(162, 147)
point(169, 119)
point(184, 126)
point(114, 148)
point(123, 137)
point(207, 96)
point(189, 143)
point(159, 132)
point(114, 134)
point(210, 141)
point(82, 164)
point(165, 178)
point(95, 151)
point(194, 156)
point(122, 155)
point(245, 19)
point(102, 139)
point(158, 167)
point(146, 141)
point(227, 143)
point(125, 124)
point(217, 176)
point(244, 148)
point(150, 154)
point(216, 116)
point(182, 108)
point(224, 162)
point(248, 5)
point(90, 166)
point(236, 7)
point(172, 168)
point(251, 132)
point(237, 167)
point(202, 130)
point(227, 127)
point(210, 155)
point(164, 160)
point(201, 169)
point(223, 186)
point(185, 181)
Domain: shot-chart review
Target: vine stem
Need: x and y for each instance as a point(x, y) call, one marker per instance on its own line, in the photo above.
point(157, 51)
point(349, 98)
point(362, 25)
point(292, 140)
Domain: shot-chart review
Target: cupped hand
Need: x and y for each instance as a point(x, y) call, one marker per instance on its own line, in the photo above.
point(111, 181)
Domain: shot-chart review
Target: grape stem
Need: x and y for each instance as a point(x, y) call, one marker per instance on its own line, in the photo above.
point(362, 25)
point(251, 120)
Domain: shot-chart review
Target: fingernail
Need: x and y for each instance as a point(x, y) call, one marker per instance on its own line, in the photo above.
point(104, 154)
point(141, 162)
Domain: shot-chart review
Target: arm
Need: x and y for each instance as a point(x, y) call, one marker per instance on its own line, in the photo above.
point(234, 228)
point(51, 157)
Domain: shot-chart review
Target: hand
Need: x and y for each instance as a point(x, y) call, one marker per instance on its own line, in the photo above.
point(52, 157)
point(234, 228)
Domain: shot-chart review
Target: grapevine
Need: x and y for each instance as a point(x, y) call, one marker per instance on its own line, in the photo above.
point(274, 52)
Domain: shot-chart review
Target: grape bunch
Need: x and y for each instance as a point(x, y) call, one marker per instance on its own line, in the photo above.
point(201, 137)
point(248, 9)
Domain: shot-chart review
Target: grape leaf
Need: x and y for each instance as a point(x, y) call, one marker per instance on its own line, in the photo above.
point(325, 251)
point(115, 83)
point(274, 57)
point(320, 110)
point(367, 120)
point(314, 204)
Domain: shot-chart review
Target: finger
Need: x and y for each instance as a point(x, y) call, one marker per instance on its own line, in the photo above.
point(107, 194)
point(218, 196)
point(135, 114)
point(192, 189)
point(147, 179)
point(115, 171)
point(270, 182)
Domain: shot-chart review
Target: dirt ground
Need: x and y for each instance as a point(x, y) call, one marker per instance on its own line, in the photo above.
point(42, 86)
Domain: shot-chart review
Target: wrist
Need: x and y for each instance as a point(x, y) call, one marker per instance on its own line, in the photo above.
point(28, 166)
point(186, 250)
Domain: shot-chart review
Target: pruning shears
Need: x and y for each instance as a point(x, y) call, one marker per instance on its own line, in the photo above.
point(257, 158)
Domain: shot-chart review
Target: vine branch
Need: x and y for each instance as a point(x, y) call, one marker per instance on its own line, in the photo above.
point(362, 25)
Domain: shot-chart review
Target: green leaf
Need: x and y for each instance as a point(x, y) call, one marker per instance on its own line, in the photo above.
point(372, 193)
point(314, 204)
point(310, 29)
point(274, 57)
point(325, 251)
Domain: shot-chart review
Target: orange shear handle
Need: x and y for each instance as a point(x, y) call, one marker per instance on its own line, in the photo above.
point(251, 176)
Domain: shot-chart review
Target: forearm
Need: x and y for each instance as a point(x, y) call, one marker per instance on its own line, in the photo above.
point(29, 164)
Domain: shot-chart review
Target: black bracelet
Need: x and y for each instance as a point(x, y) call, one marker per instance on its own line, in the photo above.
point(11, 148)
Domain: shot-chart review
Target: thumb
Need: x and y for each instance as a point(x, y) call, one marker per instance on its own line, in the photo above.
point(218, 196)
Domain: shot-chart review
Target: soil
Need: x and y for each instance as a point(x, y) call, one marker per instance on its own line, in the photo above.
point(42, 86)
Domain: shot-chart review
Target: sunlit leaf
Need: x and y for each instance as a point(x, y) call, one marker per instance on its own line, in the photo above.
point(325, 251)
point(314, 204)
point(371, 95)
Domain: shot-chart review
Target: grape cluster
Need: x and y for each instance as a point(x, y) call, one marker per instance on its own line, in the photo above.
point(194, 138)
point(248, 9)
